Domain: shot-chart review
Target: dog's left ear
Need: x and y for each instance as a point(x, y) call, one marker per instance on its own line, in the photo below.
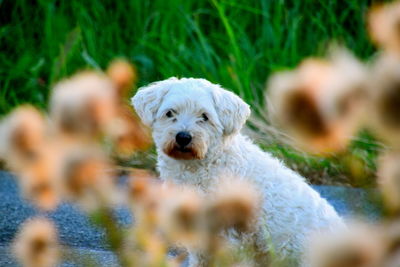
point(231, 109)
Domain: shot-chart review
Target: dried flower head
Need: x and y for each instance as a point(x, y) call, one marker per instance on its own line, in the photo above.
point(234, 204)
point(359, 246)
point(145, 196)
point(124, 76)
point(83, 105)
point(181, 217)
point(319, 103)
point(22, 135)
point(141, 184)
point(86, 178)
point(38, 179)
point(392, 260)
point(389, 179)
point(391, 232)
point(128, 133)
point(384, 26)
point(36, 244)
point(384, 118)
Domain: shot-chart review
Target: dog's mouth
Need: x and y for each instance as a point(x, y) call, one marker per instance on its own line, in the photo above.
point(182, 153)
point(184, 149)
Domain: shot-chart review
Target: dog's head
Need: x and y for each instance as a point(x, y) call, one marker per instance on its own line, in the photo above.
point(189, 116)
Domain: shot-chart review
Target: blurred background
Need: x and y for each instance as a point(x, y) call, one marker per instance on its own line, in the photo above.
point(322, 78)
point(236, 43)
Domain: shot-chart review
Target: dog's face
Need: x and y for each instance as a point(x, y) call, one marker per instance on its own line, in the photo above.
point(189, 117)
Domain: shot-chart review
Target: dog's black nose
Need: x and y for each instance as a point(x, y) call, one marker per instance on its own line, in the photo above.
point(183, 138)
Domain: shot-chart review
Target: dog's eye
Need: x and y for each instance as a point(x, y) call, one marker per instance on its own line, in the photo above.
point(169, 114)
point(204, 116)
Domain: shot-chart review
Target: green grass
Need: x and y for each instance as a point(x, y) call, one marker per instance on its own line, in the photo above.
point(236, 43)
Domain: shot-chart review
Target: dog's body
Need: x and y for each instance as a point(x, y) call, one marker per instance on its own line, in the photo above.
point(196, 128)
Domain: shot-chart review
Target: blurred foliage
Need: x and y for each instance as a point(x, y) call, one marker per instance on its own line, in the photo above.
point(236, 43)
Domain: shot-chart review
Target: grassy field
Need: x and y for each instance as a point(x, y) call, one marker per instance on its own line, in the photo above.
point(236, 43)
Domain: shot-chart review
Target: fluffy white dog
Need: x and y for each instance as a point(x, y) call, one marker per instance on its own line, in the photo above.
point(196, 128)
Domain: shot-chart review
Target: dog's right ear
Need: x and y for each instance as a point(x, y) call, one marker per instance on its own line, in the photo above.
point(232, 110)
point(148, 99)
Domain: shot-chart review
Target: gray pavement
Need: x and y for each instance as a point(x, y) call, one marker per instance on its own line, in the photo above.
point(86, 240)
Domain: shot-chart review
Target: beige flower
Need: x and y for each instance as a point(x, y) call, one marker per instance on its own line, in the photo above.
point(359, 246)
point(383, 26)
point(26, 148)
point(384, 108)
point(128, 133)
point(36, 244)
point(87, 177)
point(145, 197)
point(391, 232)
point(234, 204)
point(181, 217)
point(141, 185)
point(38, 178)
point(83, 105)
point(22, 135)
point(389, 179)
point(124, 76)
point(319, 104)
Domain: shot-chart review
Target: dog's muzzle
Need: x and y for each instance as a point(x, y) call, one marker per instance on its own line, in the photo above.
point(184, 147)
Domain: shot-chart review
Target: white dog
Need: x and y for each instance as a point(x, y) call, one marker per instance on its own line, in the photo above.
point(196, 128)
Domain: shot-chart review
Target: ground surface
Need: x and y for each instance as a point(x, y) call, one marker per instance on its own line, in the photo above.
point(86, 240)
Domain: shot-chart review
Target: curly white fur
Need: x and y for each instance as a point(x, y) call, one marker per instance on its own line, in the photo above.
point(292, 210)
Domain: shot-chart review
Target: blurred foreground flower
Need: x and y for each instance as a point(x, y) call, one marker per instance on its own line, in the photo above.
point(124, 76)
point(389, 180)
point(319, 104)
point(141, 186)
point(87, 178)
point(145, 195)
point(36, 244)
point(383, 26)
point(22, 135)
point(359, 246)
point(83, 106)
point(38, 179)
point(181, 217)
point(129, 134)
point(231, 209)
point(391, 232)
point(384, 106)
point(234, 204)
